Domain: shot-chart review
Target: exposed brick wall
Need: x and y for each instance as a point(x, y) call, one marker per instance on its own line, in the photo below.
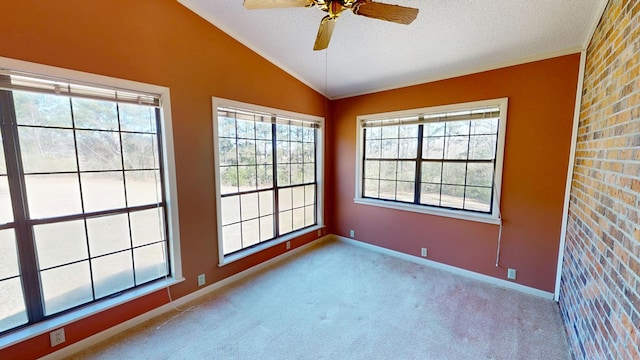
point(600, 289)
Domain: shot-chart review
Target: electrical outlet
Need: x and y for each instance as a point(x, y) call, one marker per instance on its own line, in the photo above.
point(511, 274)
point(352, 233)
point(57, 337)
point(423, 252)
point(201, 280)
point(288, 245)
point(319, 232)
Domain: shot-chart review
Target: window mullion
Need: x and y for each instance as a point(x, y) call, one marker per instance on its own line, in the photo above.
point(418, 175)
point(24, 236)
point(276, 196)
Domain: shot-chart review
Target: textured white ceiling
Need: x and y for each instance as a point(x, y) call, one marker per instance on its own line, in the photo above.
point(449, 38)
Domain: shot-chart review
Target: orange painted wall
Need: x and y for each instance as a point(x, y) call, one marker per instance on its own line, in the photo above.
point(158, 42)
point(538, 137)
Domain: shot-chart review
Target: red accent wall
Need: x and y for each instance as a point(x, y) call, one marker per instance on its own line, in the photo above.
point(538, 138)
point(159, 42)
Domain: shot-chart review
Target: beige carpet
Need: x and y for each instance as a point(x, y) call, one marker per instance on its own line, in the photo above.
point(339, 301)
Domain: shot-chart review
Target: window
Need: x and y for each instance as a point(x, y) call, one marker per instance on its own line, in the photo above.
point(268, 175)
point(445, 160)
point(84, 198)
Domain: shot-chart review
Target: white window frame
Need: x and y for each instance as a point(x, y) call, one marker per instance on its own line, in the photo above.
point(493, 218)
point(220, 102)
point(171, 197)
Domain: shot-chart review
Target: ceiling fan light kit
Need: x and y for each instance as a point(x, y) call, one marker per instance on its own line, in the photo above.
point(387, 12)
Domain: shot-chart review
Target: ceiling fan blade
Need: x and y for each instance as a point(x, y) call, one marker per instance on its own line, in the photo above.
point(273, 4)
point(324, 33)
point(394, 13)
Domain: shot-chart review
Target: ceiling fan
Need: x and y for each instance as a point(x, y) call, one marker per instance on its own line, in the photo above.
point(368, 8)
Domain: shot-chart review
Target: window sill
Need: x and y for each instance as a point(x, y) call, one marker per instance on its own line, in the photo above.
point(482, 218)
point(57, 322)
point(243, 254)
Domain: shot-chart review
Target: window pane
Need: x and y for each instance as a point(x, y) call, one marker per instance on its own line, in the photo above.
point(457, 128)
point(285, 199)
point(309, 194)
point(484, 127)
point(482, 147)
point(282, 132)
point(246, 152)
point(390, 132)
point(266, 202)
point(227, 127)
point(296, 152)
point(245, 129)
point(150, 262)
point(139, 118)
point(231, 238)
point(372, 169)
point(94, 114)
point(286, 222)
point(263, 131)
point(112, 273)
point(371, 188)
point(266, 228)
point(53, 195)
point(296, 133)
point(264, 152)
point(431, 172)
point(284, 173)
point(408, 131)
point(143, 187)
point(298, 196)
point(228, 179)
point(147, 226)
point(478, 199)
point(433, 148)
point(430, 194)
point(390, 148)
point(297, 175)
point(108, 234)
point(373, 149)
point(452, 196)
point(373, 132)
point(140, 151)
point(309, 152)
point(230, 209)
point(250, 232)
point(98, 150)
point(247, 178)
point(388, 170)
point(480, 174)
point(6, 212)
point(434, 129)
point(60, 243)
point(8, 254)
point(387, 190)
point(456, 147)
point(227, 152)
point(408, 148)
point(453, 173)
point(283, 152)
point(309, 173)
point(249, 206)
point(406, 170)
point(405, 191)
point(13, 311)
point(265, 176)
point(42, 109)
point(298, 218)
point(309, 216)
point(102, 191)
point(309, 135)
point(66, 287)
point(47, 150)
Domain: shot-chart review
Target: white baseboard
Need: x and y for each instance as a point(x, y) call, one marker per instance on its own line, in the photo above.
point(105, 334)
point(452, 269)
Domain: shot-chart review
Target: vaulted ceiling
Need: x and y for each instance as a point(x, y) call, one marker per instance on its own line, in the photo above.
point(448, 38)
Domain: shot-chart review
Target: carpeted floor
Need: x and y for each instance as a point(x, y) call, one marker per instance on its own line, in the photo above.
point(339, 301)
